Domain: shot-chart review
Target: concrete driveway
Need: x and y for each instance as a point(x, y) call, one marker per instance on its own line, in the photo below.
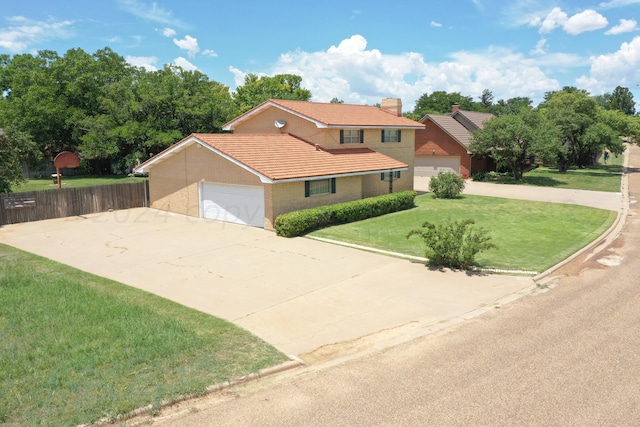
point(297, 294)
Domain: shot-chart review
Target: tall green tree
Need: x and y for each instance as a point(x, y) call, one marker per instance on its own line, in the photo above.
point(256, 90)
point(512, 106)
point(48, 96)
point(144, 113)
point(513, 138)
point(15, 148)
point(580, 122)
point(486, 100)
point(621, 99)
point(441, 102)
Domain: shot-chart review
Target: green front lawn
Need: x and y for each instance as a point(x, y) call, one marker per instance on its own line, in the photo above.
point(530, 235)
point(75, 347)
point(596, 178)
point(36, 184)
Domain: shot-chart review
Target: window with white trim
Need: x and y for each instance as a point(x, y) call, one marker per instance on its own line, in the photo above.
point(391, 135)
point(319, 186)
point(351, 136)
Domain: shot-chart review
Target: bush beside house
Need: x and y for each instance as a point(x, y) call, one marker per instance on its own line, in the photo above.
point(300, 222)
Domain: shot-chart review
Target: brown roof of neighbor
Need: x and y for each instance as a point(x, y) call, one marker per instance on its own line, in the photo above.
point(334, 115)
point(285, 157)
point(474, 117)
point(452, 127)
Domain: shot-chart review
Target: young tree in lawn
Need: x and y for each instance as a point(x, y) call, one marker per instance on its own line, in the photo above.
point(511, 139)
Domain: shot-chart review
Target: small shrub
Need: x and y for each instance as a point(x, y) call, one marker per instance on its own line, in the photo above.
point(453, 244)
point(447, 185)
point(480, 176)
point(297, 223)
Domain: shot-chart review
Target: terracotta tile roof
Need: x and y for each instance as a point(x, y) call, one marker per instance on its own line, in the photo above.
point(452, 127)
point(285, 157)
point(335, 115)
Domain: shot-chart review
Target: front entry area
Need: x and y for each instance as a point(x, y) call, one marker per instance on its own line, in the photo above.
point(240, 204)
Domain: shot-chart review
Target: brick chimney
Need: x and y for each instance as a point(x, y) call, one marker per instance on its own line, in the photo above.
point(454, 108)
point(393, 105)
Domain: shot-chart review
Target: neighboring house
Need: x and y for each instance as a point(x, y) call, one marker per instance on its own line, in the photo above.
point(443, 144)
point(285, 156)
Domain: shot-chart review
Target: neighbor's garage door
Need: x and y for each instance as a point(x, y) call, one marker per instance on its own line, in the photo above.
point(433, 165)
point(240, 204)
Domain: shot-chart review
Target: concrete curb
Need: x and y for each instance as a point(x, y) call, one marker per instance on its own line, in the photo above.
point(415, 258)
point(607, 237)
point(291, 364)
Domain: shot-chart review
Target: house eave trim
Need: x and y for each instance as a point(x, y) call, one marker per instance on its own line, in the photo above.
point(342, 175)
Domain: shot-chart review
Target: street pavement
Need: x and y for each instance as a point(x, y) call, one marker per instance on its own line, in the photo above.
point(566, 357)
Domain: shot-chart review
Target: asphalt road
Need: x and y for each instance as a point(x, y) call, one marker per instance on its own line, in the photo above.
point(567, 357)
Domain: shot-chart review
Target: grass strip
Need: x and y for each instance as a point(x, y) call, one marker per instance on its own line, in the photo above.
point(37, 184)
point(530, 235)
point(75, 347)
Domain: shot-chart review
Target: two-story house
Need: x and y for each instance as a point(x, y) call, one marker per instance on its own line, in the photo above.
point(284, 156)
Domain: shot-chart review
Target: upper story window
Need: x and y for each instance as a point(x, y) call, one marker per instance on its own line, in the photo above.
point(391, 135)
point(351, 136)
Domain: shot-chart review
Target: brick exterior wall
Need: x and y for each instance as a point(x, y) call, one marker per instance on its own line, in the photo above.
point(289, 197)
point(433, 138)
point(173, 183)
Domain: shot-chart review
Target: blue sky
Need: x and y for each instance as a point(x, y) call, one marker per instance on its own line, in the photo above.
point(359, 51)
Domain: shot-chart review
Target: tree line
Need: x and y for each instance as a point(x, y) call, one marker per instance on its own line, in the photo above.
point(110, 112)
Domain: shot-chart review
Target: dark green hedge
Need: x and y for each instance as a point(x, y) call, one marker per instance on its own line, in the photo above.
point(300, 222)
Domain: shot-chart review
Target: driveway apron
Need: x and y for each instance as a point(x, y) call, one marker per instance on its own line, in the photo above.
point(297, 294)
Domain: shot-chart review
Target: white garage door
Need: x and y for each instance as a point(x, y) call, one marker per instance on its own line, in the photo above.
point(433, 165)
point(240, 204)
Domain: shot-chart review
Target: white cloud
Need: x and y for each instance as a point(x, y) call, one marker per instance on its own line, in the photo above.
point(146, 62)
point(588, 20)
point(436, 24)
point(184, 64)
point(554, 19)
point(625, 26)
point(150, 12)
point(169, 32)
point(238, 76)
point(539, 50)
point(190, 44)
point(356, 74)
point(22, 32)
point(618, 68)
point(618, 3)
point(210, 52)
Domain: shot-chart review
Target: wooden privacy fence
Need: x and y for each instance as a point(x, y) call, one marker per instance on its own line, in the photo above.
point(64, 202)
